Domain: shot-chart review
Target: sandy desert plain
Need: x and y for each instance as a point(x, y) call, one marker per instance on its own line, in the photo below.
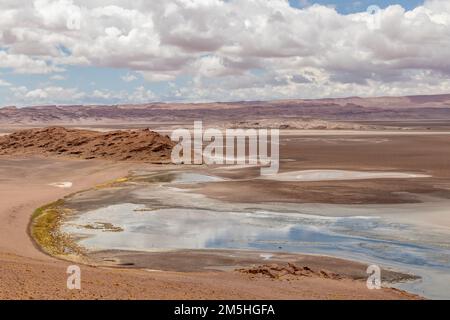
point(364, 192)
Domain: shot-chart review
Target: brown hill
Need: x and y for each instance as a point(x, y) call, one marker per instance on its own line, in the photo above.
point(132, 145)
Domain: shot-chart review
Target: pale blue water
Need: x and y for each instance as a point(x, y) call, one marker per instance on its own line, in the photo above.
point(364, 238)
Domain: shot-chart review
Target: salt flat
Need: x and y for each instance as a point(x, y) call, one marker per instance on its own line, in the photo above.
point(329, 175)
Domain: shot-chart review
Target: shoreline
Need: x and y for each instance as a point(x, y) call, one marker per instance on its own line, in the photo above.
point(218, 258)
point(84, 255)
point(43, 276)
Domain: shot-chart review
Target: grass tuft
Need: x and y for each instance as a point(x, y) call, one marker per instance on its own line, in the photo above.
point(45, 230)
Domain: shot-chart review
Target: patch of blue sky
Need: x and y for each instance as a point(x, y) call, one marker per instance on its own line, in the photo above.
point(26, 80)
point(64, 50)
point(352, 6)
point(87, 78)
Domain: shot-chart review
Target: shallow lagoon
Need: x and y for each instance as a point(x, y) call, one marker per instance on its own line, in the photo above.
point(205, 224)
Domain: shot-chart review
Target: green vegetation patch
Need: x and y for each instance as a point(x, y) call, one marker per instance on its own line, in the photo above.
point(45, 230)
point(112, 183)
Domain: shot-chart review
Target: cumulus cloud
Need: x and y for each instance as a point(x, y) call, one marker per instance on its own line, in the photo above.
point(129, 77)
point(47, 95)
point(21, 63)
point(235, 49)
point(57, 77)
point(61, 95)
point(138, 95)
point(4, 83)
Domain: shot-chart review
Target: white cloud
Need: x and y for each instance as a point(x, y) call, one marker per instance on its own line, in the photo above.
point(57, 77)
point(60, 95)
point(138, 95)
point(253, 49)
point(4, 83)
point(24, 64)
point(141, 95)
point(46, 95)
point(129, 77)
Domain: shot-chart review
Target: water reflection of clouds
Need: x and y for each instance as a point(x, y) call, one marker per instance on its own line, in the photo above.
point(357, 232)
point(178, 228)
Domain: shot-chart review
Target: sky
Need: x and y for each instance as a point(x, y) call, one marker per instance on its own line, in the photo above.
point(120, 52)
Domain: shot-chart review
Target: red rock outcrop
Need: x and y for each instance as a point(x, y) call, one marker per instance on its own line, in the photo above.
point(131, 145)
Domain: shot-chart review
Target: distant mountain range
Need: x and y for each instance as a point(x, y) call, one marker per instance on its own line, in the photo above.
point(425, 107)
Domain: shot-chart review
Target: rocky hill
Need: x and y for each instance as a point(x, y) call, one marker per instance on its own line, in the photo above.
point(132, 145)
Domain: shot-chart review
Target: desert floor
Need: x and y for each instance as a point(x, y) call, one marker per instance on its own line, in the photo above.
point(27, 273)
